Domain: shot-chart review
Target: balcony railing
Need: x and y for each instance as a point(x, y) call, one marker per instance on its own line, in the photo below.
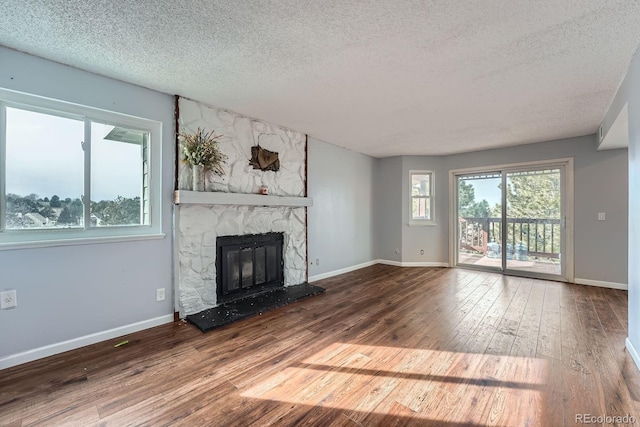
point(527, 238)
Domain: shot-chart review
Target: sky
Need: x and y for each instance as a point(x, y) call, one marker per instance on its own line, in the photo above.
point(44, 156)
point(486, 189)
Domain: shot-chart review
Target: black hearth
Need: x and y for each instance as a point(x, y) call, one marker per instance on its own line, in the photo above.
point(248, 265)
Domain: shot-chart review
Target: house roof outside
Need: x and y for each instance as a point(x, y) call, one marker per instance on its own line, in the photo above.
point(37, 219)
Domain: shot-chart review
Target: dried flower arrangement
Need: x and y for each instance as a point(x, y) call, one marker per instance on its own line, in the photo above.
point(201, 149)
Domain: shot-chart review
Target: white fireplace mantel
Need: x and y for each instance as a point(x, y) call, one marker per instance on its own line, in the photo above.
point(182, 197)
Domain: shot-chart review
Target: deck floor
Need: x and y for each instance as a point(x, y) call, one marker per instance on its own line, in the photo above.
point(543, 267)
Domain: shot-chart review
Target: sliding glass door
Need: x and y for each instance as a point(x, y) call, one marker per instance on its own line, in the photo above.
point(512, 220)
point(534, 213)
point(480, 220)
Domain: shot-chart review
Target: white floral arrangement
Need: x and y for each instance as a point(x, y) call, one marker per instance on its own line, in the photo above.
point(202, 149)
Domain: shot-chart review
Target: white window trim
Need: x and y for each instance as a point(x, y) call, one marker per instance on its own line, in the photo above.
point(566, 162)
point(16, 239)
point(422, 222)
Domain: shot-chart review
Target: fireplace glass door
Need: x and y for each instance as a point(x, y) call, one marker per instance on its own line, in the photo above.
point(248, 264)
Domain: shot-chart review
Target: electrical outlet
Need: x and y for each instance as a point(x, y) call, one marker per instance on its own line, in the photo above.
point(8, 299)
point(317, 261)
point(160, 294)
point(602, 216)
point(397, 251)
point(421, 251)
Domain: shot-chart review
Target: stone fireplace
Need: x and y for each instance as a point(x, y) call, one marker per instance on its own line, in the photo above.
point(231, 206)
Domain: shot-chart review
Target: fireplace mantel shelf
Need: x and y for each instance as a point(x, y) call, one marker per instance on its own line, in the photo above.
point(182, 197)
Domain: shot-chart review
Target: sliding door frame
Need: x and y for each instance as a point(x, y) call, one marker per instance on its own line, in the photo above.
point(567, 208)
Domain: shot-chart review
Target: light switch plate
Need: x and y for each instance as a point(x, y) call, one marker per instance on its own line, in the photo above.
point(601, 216)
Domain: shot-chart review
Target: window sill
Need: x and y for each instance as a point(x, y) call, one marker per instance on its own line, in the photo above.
point(36, 244)
point(421, 223)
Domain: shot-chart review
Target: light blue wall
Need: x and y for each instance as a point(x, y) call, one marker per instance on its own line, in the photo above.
point(360, 214)
point(69, 292)
point(600, 185)
point(340, 222)
point(387, 209)
point(629, 92)
point(430, 239)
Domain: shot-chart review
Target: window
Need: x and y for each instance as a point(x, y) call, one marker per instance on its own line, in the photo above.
point(421, 198)
point(69, 172)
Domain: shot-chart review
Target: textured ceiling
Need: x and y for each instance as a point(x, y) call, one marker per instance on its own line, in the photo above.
point(382, 78)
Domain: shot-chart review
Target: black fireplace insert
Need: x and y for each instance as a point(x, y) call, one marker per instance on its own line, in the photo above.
point(248, 264)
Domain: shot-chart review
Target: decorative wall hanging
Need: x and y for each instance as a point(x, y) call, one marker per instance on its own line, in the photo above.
point(263, 159)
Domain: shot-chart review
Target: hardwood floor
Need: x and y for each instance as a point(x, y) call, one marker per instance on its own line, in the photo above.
point(383, 346)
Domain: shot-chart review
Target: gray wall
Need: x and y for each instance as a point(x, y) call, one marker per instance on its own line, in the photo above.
point(629, 92)
point(341, 218)
point(600, 186)
point(432, 239)
point(360, 213)
point(387, 209)
point(68, 292)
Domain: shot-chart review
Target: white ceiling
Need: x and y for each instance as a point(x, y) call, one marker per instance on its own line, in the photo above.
point(379, 77)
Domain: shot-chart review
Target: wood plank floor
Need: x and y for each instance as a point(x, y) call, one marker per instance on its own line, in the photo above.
point(384, 346)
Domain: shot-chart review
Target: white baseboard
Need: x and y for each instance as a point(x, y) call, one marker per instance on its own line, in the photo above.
point(388, 262)
point(376, 261)
point(413, 264)
point(588, 282)
point(632, 351)
point(61, 347)
point(341, 271)
point(601, 283)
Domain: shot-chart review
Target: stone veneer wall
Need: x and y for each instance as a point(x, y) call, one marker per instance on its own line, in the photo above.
point(199, 225)
point(240, 133)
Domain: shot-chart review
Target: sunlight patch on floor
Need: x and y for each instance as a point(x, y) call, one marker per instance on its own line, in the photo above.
point(430, 384)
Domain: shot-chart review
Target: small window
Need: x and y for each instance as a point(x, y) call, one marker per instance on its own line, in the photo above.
point(421, 198)
point(70, 172)
point(118, 199)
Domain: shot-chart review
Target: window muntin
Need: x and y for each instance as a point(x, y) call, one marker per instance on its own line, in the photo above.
point(60, 154)
point(421, 197)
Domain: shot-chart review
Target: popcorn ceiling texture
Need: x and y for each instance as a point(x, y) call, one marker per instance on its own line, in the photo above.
point(200, 225)
point(382, 78)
